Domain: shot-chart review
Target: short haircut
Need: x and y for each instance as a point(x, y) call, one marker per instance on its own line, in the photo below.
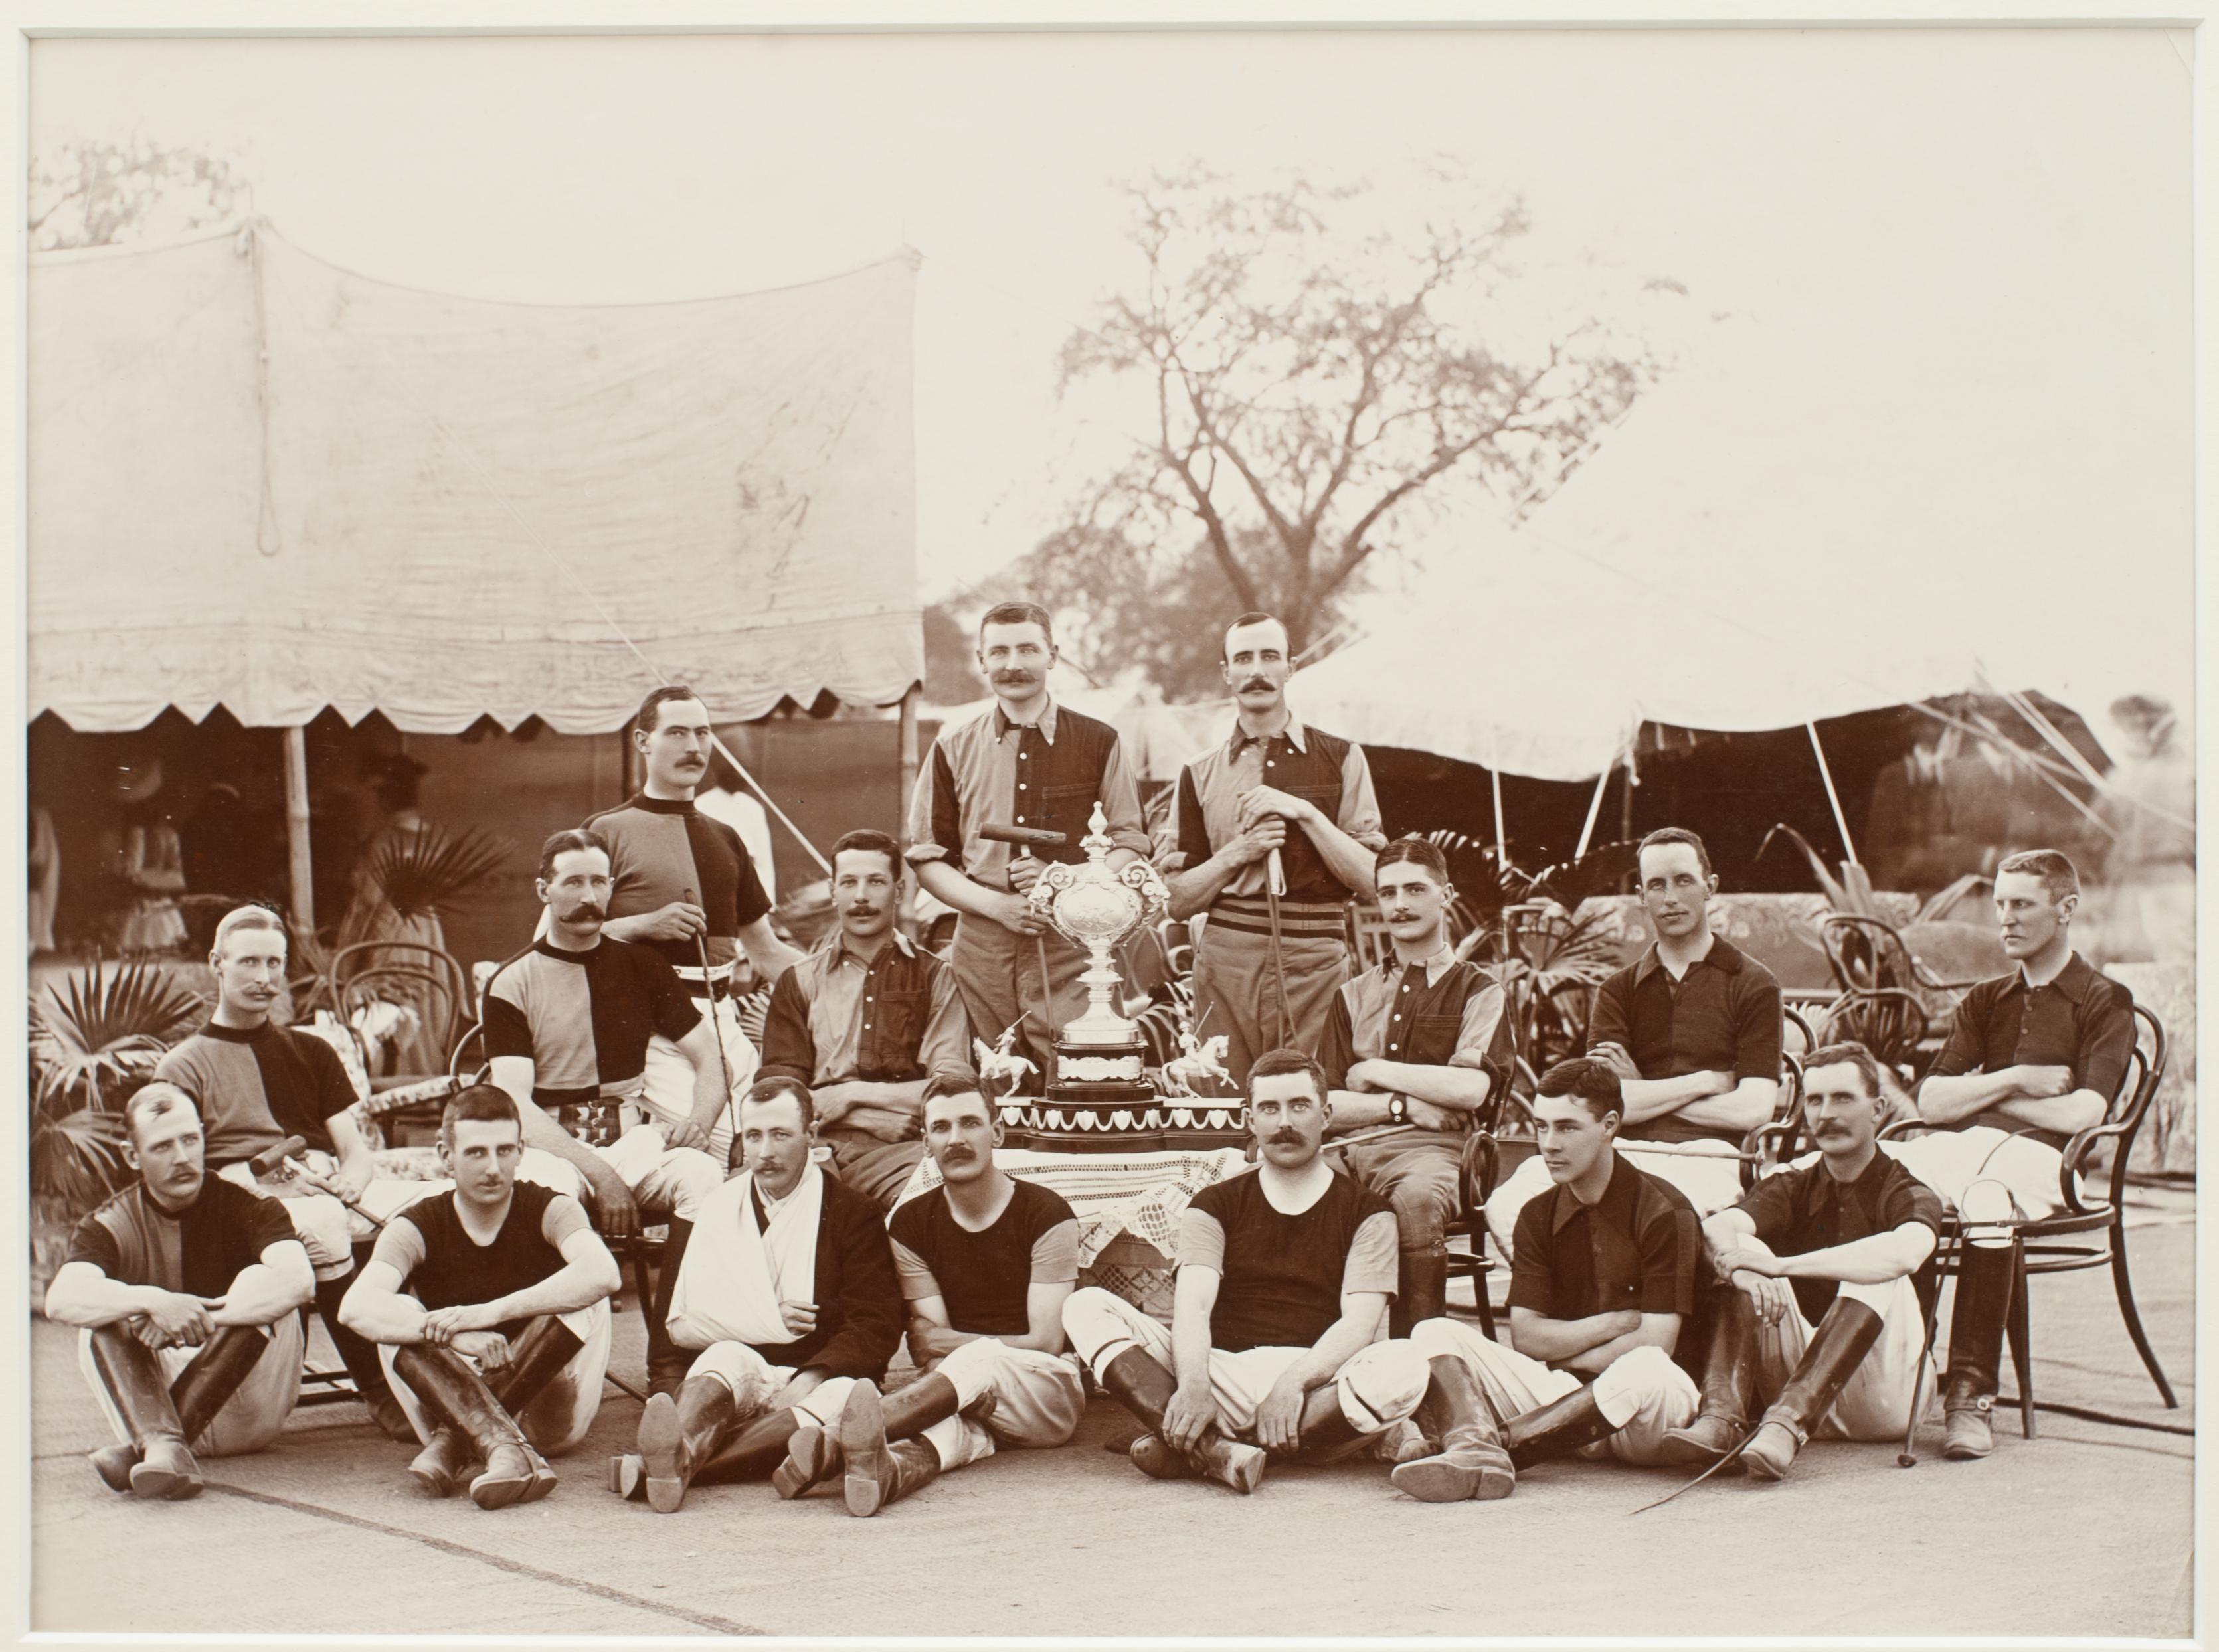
point(479, 1104)
point(1848, 1052)
point(1586, 1081)
point(650, 714)
point(151, 1102)
point(1274, 1064)
point(2056, 871)
point(1253, 617)
point(876, 843)
point(562, 842)
point(1664, 834)
point(777, 1084)
point(248, 917)
point(952, 1084)
point(1418, 853)
point(1018, 613)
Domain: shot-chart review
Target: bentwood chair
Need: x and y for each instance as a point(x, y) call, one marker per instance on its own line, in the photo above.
point(2086, 1231)
point(1891, 1003)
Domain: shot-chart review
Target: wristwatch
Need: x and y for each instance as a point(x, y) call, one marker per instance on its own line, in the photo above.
point(1398, 1111)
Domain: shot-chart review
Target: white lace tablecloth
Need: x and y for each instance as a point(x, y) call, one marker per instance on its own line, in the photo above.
point(1142, 1194)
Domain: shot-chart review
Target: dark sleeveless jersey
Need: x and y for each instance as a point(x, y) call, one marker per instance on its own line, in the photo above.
point(445, 1267)
point(986, 1278)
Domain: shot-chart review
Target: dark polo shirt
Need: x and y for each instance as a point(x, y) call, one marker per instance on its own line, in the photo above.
point(2082, 1019)
point(1803, 1208)
point(1638, 1246)
point(1722, 1016)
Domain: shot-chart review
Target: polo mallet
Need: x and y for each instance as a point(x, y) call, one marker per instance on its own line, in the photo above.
point(1905, 1458)
point(269, 1160)
point(1275, 884)
point(1025, 837)
point(716, 1026)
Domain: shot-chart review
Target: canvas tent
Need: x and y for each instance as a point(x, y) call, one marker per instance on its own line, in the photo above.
point(261, 481)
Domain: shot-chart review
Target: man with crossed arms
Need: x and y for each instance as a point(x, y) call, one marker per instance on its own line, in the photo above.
point(986, 1262)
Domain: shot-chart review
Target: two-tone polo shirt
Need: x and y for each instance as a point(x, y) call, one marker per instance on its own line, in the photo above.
point(1442, 1012)
point(835, 1016)
point(198, 1250)
point(986, 1276)
point(583, 1020)
point(1723, 1015)
point(2078, 1019)
point(660, 849)
point(1639, 1246)
point(1283, 1276)
point(256, 1085)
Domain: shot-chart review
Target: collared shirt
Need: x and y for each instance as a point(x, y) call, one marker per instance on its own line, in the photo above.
point(1636, 1247)
point(583, 1020)
point(662, 848)
point(1801, 1208)
point(1047, 774)
point(1306, 763)
point(1723, 1015)
point(1443, 1012)
point(835, 1016)
point(2080, 1020)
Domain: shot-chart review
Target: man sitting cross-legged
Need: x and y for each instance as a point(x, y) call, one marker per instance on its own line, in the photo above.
point(1281, 1300)
point(490, 1303)
point(1603, 1275)
point(987, 1263)
point(188, 1290)
point(789, 1291)
point(1833, 1242)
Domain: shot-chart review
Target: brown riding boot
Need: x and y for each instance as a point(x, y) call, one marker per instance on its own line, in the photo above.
point(1145, 1388)
point(880, 1471)
point(1421, 1289)
point(132, 1374)
point(1729, 1390)
point(1976, 1351)
point(1324, 1434)
point(666, 1363)
point(676, 1435)
point(1471, 1462)
point(1837, 1347)
point(814, 1455)
point(457, 1398)
point(543, 1349)
point(200, 1392)
point(1558, 1429)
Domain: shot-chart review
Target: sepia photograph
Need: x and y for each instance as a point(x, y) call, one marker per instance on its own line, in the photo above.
point(1095, 833)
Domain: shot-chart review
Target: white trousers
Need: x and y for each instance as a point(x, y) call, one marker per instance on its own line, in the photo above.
point(672, 1181)
point(556, 1418)
point(668, 1078)
point(1708, 1172)
point(1950, 1161)
point(258, 1408)
point(1878, 1402)
point(1642, 1391)
point(755, 1382)
point(1038, 1400)
point(1379, 1386)
point(327, 1228)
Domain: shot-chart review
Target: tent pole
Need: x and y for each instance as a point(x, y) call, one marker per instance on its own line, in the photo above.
point(301, 867)
point(1595, 808)
point(909, 758)
point(1502, 843)
point(1841, 821)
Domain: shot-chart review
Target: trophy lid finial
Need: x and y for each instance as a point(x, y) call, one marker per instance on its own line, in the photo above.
point(1096, 842)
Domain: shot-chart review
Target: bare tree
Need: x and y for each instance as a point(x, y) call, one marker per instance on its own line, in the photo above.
point(1310, 377)
point(99, 194)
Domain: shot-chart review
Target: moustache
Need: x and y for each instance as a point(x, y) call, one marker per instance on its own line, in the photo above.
point(1013, 676)
point(957, 1156)
point(859, 910)
point(1256, 682)
point(1285, 1139)
point(590, 910)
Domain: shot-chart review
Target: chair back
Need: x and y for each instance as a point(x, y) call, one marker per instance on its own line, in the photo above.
point(2137, 1089)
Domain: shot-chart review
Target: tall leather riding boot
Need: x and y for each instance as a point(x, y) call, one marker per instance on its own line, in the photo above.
point(814, 1455)
point(1976, 1350)
point(676, 1433)
point(1145, 1388)
point(132, 1373)
point(360, 1358)
point(1324, 1434)
point(1836, 1348)
point(666, 1363)
point(1421, 1289)
point(546, 1346)
point(1558, 1429)
point(1471, 1462)
point(1729, 1388)
point(456, 1394)
point(200, 1392)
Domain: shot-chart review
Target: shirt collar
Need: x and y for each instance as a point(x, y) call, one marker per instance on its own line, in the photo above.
point(223, 1034)
point(544, 945)
point(1616, 1194)
point(2074, 980)
point(1435, 965)
point(1045, 724)
point(662, 806)
point(1723, 953)
point(1294, 734)
point(837, 950)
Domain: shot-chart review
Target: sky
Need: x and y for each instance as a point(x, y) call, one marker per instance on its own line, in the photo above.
point(1996, 201)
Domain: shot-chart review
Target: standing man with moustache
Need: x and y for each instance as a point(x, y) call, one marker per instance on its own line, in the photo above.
point(1277, 1321)
point(491, 1304)
point(684, 883)
point(1027, 762)
point(1277, 799)
point(986, 1264)
point(566, 1030)
point(186, 1288)
point(866, 1023)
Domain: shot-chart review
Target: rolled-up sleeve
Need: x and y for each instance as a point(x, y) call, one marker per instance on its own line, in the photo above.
point(935, 815)
point(1359, 805)
point(1121, 802)
point(944, 1047)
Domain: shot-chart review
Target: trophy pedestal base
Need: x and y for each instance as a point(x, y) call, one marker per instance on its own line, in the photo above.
point(1101, 1102)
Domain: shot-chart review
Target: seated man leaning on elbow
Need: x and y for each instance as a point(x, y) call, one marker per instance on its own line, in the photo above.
point(1840, 1243)
point(1691, 1028)
point(1603, 1278)
point(187, 1289)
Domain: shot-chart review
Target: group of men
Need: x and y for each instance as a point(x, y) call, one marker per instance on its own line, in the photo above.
point(1659, 1313)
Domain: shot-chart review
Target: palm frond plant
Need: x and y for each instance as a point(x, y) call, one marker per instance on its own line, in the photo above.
point(430, 872)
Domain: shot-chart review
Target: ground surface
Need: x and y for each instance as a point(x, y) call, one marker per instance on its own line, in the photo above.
point(2084, 1532)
